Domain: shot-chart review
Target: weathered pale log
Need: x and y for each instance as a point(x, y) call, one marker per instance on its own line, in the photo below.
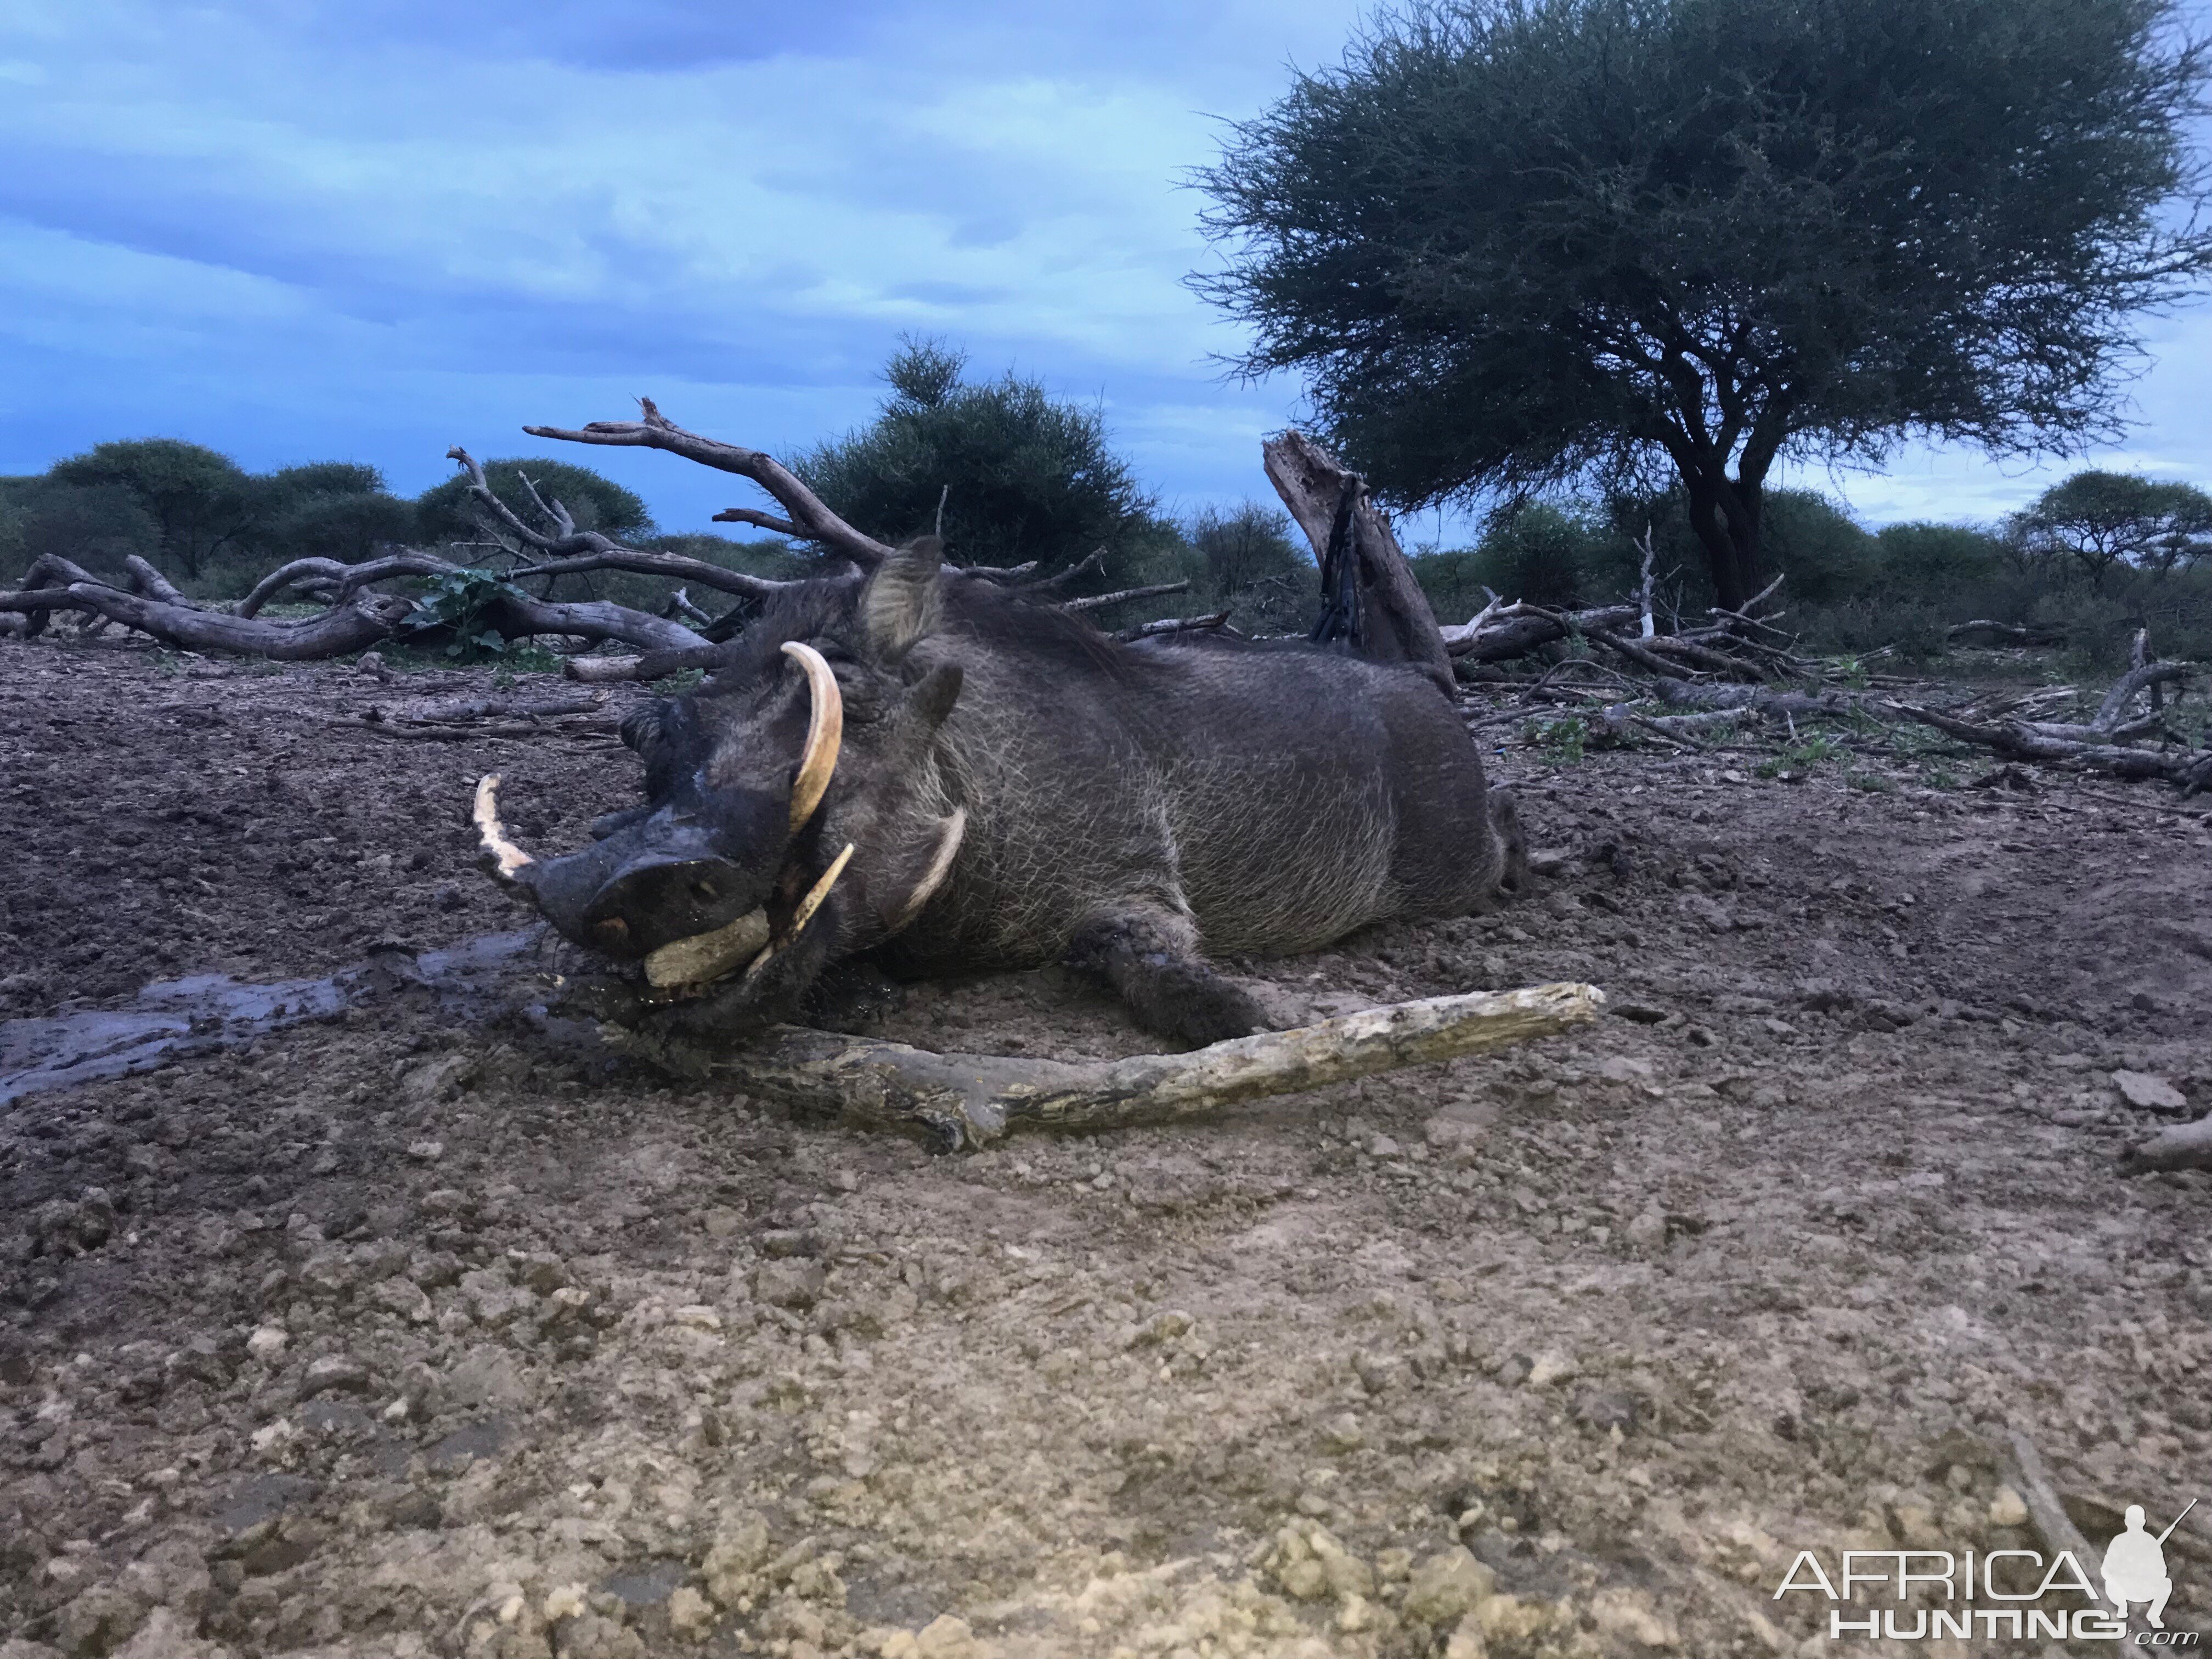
point(1503, 632)
point(367, 619)
point(2183, 1146)
point(1216, 624)
point(971, 1100)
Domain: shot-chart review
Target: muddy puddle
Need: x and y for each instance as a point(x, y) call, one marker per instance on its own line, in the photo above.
point(203, 1013)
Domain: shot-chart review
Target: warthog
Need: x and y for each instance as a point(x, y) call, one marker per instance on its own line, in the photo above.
point(922, 768)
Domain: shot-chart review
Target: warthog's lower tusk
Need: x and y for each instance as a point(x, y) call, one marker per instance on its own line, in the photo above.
point(825, 730)
point(805, 913)
point(505, 857)
point(708, 956)
point(940, 866)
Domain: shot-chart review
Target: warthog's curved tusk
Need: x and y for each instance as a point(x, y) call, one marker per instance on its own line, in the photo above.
point(708, 956)
point(505, 856)
point(825, 730)
point(805, 913)
point(940, 866)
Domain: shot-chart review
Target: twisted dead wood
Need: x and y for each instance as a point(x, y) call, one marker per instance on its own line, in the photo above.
point(971, 1100)
point(2100, 745)
point(809, 519)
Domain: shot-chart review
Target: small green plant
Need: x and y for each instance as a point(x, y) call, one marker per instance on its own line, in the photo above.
point(1800, 756)
point(1563, 741)
point(679, 682)
point(1872, 782)
point(454, 601)
point(1939, 777)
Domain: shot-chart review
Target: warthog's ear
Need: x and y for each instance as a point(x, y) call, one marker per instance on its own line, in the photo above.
point(932, 697)
point(898, 607)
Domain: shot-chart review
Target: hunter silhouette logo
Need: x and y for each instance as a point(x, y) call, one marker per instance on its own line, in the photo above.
point(1988, 1593)
point(2135, 1566)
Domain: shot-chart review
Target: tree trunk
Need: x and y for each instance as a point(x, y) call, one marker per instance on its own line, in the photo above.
point(1725, 514)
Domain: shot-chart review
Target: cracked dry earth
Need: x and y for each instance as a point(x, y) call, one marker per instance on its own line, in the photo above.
point(398, 1335)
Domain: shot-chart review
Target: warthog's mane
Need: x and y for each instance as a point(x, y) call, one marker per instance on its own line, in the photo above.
point(980, 611)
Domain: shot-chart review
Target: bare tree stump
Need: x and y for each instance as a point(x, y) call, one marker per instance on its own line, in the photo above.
point(1394, 622)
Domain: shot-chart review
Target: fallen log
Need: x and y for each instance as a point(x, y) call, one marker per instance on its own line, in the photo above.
point(1503, 632)
point(1757, 700)
point(2099, 745)
point(364, 620)
point(451, 711)
point(1216, 624)
point(343, 578)
point(971, 1100)
point(2183, 1146)
point(2038, 633)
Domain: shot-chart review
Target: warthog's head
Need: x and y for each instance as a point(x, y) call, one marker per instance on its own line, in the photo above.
point(794, 810)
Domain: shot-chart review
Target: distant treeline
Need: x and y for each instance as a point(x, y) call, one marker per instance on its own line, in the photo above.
point(1009, 475)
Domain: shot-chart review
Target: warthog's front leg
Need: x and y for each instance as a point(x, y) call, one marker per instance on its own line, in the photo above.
point(1149, 958)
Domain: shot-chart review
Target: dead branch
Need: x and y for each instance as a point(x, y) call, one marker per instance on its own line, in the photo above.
point(1100, 601)
point(155, 586)
point(1743, 614)
point(1637, 653)
point(1758, 700)
point(999, 572)
point(2099, 745)
point(2183, 1146)
point(447, 711)
point(2143, 677)
point(1687, 648)
point(516, 615)
point(1094, 560)
point(809, 519)
point(344, 578)
point(1218, 623)
point(1507, 631)
point(2035, 633)
point(676, 566)
point(651, 665)
point(1620, 722)
point(364, 620)
point(971, 1100)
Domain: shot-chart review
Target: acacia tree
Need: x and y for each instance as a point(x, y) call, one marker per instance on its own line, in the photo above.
point(1520, 245)
point(201, 500)
point(2101, 520)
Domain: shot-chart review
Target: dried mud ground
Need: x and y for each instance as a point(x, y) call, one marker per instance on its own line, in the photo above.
point(397, 1336)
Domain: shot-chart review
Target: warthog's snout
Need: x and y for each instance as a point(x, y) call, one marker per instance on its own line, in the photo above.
point(688, 887)
point(653, 897)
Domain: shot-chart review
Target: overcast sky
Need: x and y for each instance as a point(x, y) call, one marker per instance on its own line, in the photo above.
point(296, 230)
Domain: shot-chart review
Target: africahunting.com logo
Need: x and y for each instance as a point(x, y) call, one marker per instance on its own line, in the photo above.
point(1985, 1596)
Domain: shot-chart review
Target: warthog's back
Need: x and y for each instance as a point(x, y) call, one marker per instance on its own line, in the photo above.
point(1281, 796)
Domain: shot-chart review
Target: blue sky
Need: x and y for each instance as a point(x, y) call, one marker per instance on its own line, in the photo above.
point(300, 231)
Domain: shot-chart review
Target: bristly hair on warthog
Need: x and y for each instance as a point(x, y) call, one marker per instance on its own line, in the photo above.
point(957, 778)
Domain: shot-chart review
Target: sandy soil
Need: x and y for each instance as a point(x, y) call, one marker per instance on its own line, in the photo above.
point(396, 1335)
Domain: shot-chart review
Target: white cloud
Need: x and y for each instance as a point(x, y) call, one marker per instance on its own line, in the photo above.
point(368, 231)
